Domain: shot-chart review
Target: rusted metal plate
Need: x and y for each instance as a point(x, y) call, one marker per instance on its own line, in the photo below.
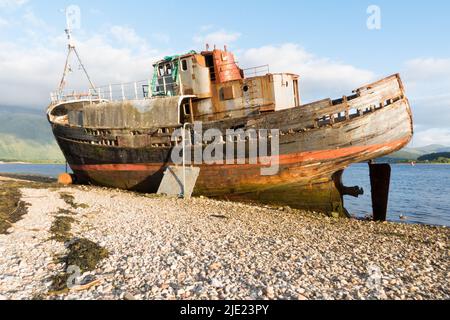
point(178, 183)
point(225, 66)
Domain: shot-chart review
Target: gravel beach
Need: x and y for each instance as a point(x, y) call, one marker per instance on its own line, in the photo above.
point(166, 248)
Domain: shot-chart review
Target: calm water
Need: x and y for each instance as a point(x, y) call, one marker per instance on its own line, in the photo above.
point(421, 193)
point(47, 170)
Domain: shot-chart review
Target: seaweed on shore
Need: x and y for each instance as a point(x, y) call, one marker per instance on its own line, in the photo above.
point(60, 228)
point(12, 208)
point(83, 254)
point(70, 200)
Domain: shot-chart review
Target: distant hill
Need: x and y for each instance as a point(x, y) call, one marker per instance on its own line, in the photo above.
point(443, 157)
point(25, 135)
point(415, 153)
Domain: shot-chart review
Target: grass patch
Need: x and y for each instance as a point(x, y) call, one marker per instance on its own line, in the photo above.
point(70, 200)
point(83, 254)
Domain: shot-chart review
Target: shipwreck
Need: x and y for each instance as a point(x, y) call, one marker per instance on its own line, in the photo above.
point(121, 136)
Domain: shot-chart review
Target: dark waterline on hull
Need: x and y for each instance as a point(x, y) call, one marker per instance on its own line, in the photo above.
point(418, 193)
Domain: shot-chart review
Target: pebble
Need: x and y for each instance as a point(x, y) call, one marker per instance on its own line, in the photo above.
point(270, 292)
point(301, 297)
point(216, 283)
point(165, 248)
point(215, 266)
point(128, 296)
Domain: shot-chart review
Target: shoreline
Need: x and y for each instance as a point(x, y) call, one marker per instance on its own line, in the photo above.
point(63, 163)
point(167, 248)
point(420, 163)
point(32, 163)
point(51, 179)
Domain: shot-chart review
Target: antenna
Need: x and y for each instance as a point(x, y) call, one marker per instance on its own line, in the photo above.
point(71, 48)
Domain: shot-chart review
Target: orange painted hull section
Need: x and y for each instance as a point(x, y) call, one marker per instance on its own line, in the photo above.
point(300, 168)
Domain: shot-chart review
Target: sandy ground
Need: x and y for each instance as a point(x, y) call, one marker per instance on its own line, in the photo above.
point(164, 248)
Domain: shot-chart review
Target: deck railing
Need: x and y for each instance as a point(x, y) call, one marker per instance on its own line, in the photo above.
point(114, 92)
point(256, 71)
point(134, 90)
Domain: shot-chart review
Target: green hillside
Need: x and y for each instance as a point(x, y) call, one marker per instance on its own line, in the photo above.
point(416, 153)
point(440, 157)
point(25, 135)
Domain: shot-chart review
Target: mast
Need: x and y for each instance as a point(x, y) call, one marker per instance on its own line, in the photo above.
point(72, 49)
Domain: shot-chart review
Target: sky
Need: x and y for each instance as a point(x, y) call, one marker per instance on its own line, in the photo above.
point(335, 46)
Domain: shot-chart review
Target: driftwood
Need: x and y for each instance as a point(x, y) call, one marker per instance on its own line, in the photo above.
point(86, 286)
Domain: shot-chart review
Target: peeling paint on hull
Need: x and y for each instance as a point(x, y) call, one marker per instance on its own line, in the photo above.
point(317, 142)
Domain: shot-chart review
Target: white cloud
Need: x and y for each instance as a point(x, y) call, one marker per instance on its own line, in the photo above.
point(219, 38)
point(427, 82)
point(320, 77)
point(206, 27)
point(4, 23)
point(161, 37)
point(426, 77)
point(127, 36)
point(28, 75)
point(428, 69)
point(31, 19)
point(431, 136)
point(11, 4)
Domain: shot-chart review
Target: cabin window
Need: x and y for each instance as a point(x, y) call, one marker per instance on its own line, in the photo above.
point(161, 70)
point(168, 69)
point(184, 65)
point(187, 109)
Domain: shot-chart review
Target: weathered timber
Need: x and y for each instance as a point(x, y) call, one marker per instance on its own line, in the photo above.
point(128, 144)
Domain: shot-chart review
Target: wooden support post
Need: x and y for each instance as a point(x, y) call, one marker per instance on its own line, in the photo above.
point(380, 177)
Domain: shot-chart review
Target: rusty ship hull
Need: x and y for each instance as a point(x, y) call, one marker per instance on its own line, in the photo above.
point(317, 142)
